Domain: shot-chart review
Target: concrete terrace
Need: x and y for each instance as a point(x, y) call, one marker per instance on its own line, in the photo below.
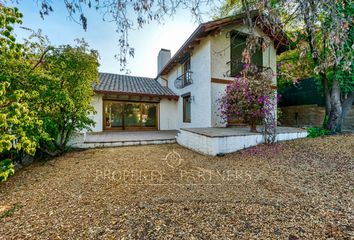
point(105, 137)
point(238, 131)
point(124, 138)
point(210, 141)
point(214, 141)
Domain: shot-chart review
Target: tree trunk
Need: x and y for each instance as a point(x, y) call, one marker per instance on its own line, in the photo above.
point(346, 107)
point(327, 96)
point(68, 135)
point(253, 124)
point(311, 32)
point(335, 115)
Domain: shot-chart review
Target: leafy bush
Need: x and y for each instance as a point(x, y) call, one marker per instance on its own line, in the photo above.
point(6, 169)
point(248, 97)
point(314, 132)
point(45, 92)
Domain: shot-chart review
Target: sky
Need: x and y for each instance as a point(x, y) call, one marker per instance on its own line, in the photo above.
point(101, 35)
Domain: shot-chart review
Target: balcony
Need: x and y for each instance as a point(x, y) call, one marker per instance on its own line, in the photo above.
point(238, 67)
point(184, 80)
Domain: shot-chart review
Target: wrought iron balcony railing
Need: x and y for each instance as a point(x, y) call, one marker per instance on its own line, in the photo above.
point(253, 69)
point(184, 80)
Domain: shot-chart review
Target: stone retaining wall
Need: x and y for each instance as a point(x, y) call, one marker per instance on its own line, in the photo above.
point(310, 116)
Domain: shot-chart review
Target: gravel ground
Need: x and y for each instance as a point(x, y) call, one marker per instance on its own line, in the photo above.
point(301, 189)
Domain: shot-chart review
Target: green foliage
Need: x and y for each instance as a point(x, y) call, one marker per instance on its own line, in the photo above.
point(6, 169)
point(346, 67)
point(314, 132)
point(294, 65)
point(8, 18)
point(45, 92)
point(19, 126)
point(65, 98)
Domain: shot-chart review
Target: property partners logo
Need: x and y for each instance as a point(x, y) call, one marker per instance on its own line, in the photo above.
point(175, 170)
point(173, 159)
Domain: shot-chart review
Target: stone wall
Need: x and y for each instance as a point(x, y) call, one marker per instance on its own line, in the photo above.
point(310, 116)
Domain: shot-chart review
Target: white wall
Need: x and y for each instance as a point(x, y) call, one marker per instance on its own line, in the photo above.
point(217, 91)
point(199, 89)
point(97, 103)
point(228, 144)
point(168, 114)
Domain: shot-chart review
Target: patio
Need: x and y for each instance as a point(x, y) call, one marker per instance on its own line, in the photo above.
point(118, 139)
point(209, 141)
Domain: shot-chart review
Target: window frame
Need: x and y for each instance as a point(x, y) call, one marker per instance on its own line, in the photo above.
point(234, 71)
point(186, 98)
point(186, 71)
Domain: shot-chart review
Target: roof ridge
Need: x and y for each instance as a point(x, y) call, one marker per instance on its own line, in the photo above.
point(127, 75)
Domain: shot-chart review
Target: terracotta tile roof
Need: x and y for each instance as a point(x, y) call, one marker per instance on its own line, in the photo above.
point(131, 85)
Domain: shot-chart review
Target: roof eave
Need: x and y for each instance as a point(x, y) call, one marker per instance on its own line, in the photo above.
point(173, 97)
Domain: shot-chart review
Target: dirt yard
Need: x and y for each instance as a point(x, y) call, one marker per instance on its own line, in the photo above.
point(300, 189)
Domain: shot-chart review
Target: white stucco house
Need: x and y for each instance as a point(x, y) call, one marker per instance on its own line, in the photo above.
point(187, 85)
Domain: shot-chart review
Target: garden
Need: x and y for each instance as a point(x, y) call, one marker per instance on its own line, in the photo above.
point(301, 189)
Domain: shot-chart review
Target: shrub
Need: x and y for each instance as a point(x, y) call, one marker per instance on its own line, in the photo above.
point(249, 97)
point(314, 132)
point(6, 169)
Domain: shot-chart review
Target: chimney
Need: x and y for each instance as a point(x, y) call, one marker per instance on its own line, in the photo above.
point(162, 59)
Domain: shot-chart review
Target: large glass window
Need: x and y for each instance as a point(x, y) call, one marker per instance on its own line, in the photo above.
point(132, 114)
point(238, 44)
point(114, 115)
point(149, 113)
point(128, 115)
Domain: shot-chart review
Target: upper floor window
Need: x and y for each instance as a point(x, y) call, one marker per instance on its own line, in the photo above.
point(186, 71)
point(185, 78)
point(237, 45)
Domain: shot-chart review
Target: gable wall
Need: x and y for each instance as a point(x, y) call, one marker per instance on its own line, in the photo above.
point(199, 89)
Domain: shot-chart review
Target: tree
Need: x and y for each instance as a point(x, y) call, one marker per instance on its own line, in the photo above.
point(45, 92)
point(64, 88)
point(65, 100)
point(20, 128)
point(127, 15)
point(322, 32)
point(334, 29)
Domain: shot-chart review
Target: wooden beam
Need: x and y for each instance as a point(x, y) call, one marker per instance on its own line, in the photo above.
point(215, 32)
point(132, 94)
point(194, 43)
point(221, 81)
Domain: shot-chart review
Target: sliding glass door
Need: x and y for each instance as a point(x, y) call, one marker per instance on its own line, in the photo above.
point(129, 115)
